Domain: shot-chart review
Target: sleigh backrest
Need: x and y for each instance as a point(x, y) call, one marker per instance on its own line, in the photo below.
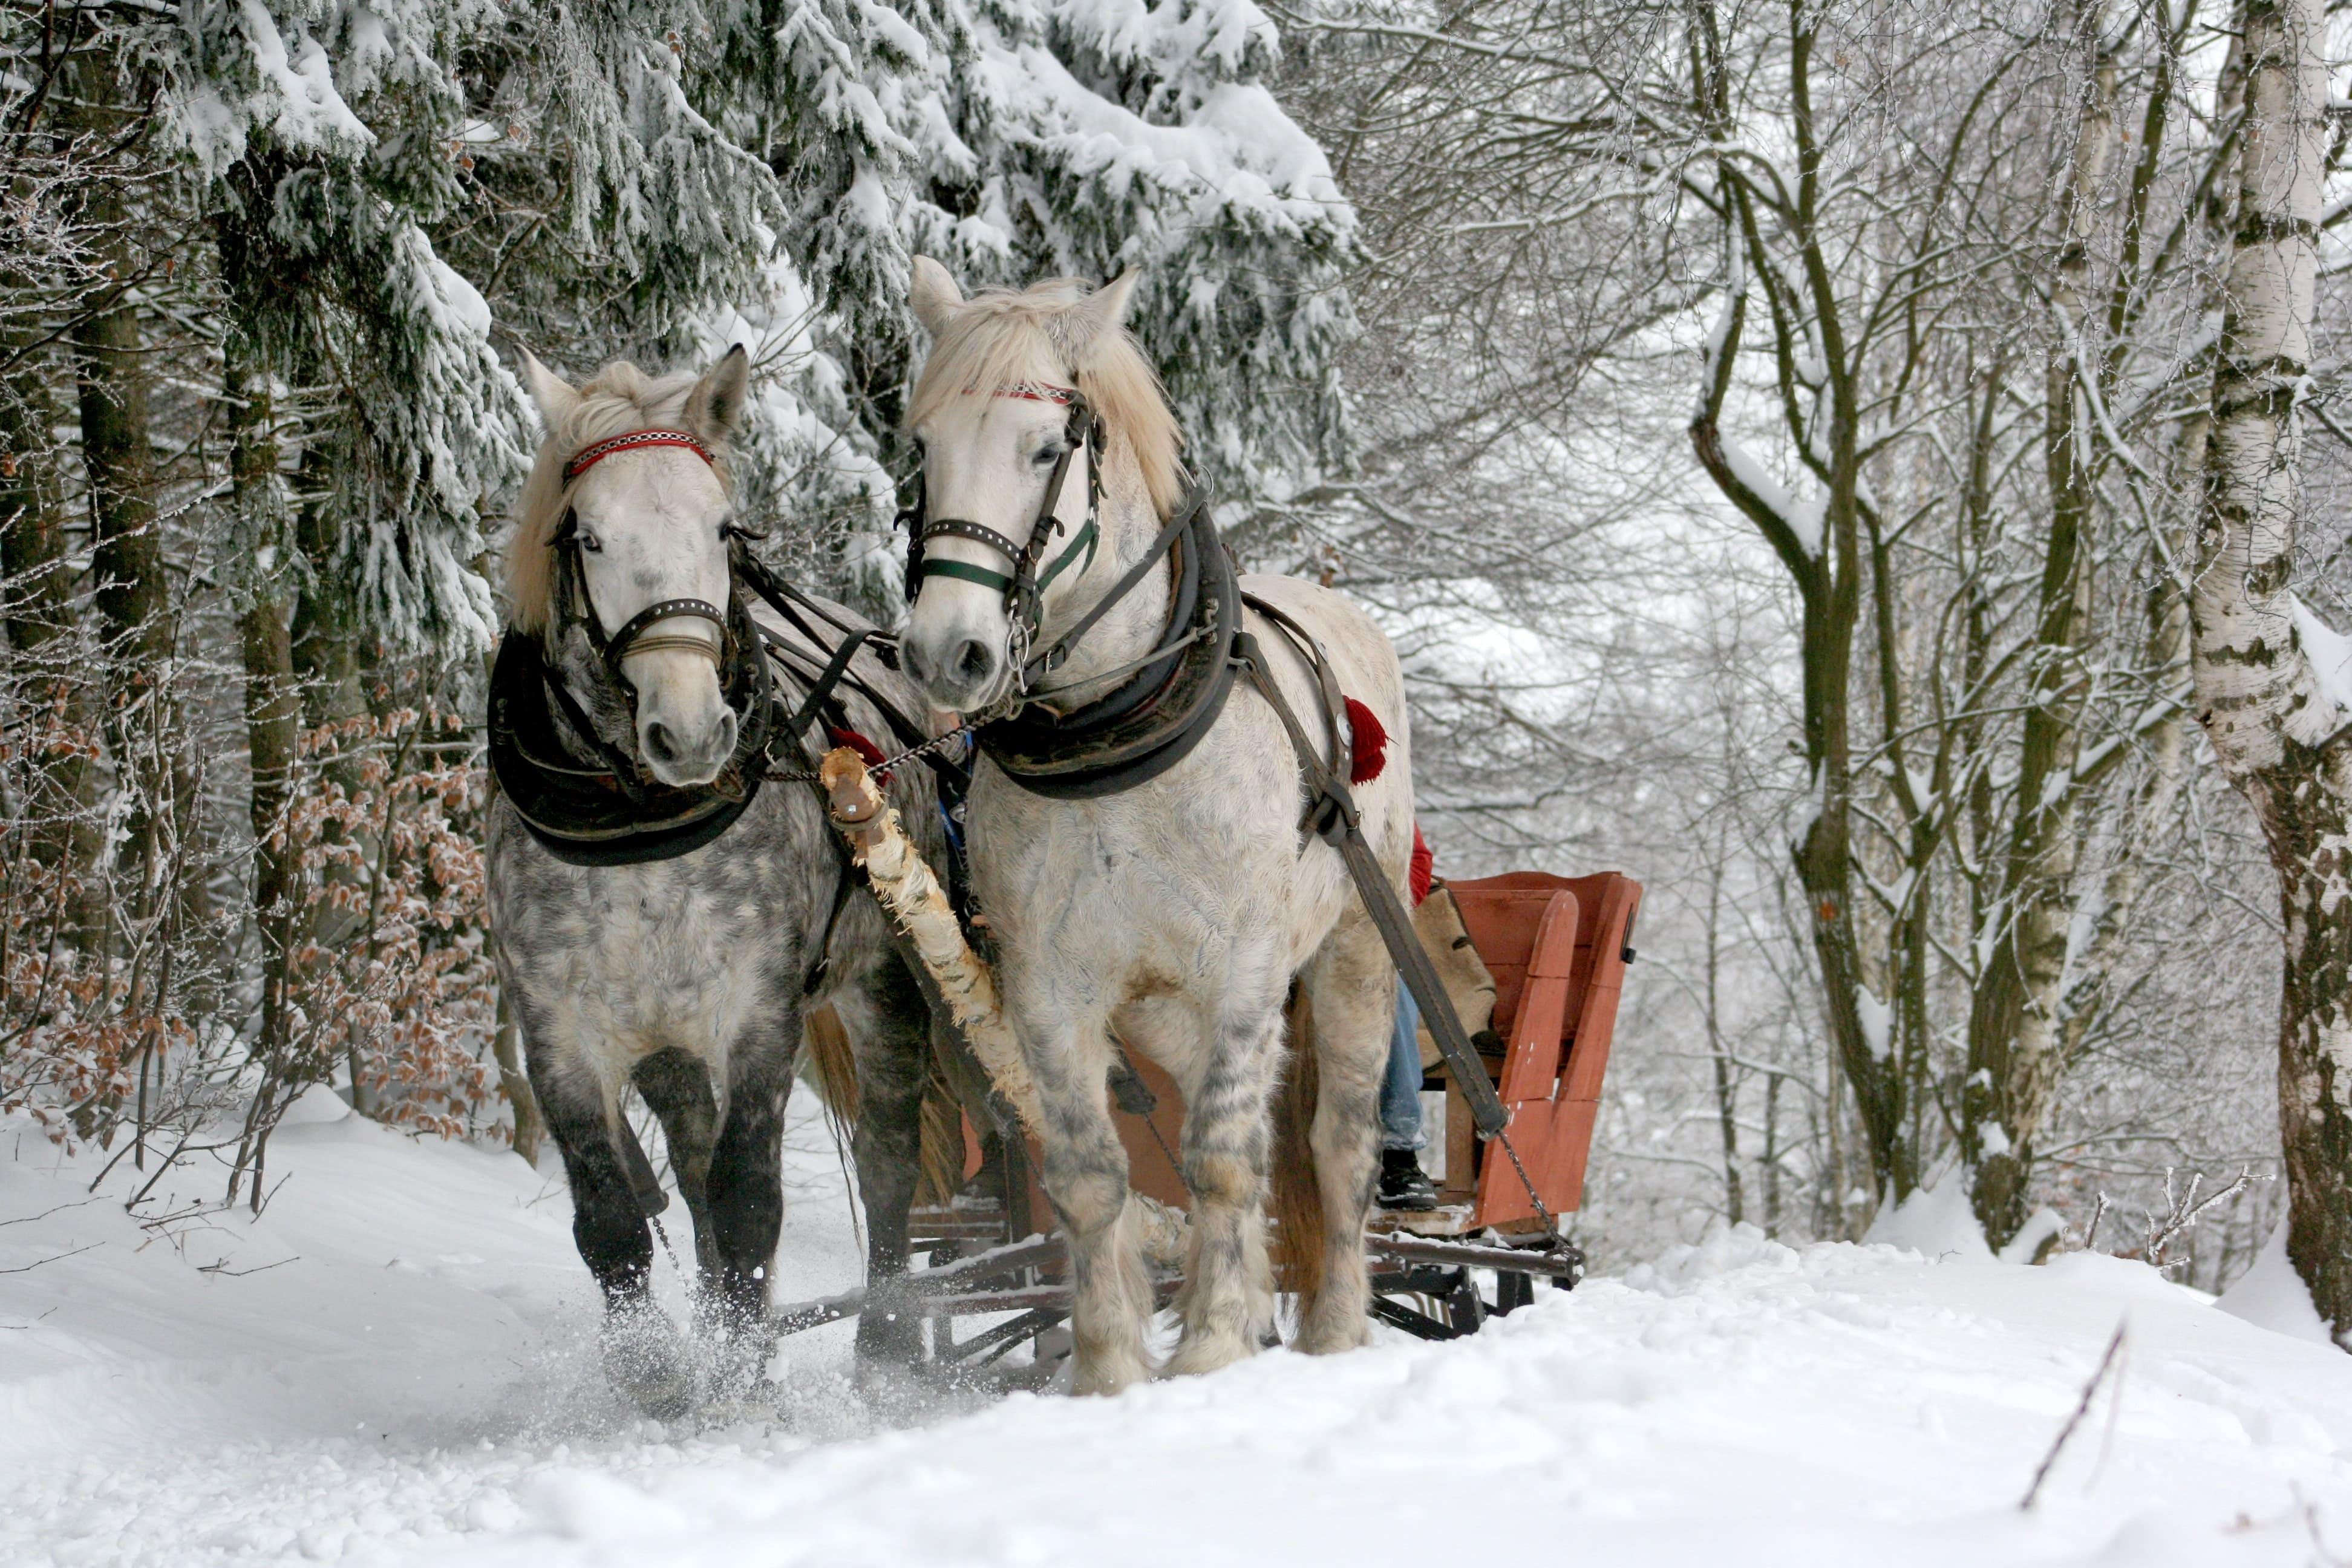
point(1519, 922)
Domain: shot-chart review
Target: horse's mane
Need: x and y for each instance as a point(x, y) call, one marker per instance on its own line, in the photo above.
point(1001, 337)
point(621, 398)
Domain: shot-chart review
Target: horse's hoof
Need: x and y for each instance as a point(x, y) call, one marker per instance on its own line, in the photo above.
point(1208, 1354)
point(739, 1356)
point(890, 1385)
point(889, 1339)
point(644, 1362)
point(1108, 1375)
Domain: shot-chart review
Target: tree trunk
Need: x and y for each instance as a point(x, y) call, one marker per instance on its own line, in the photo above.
point(40, 621)
point(134, 595)
point(273, 711)
point(2014, 1033)
point(2276, 727)
point(1726, 1085)
point(326, 653)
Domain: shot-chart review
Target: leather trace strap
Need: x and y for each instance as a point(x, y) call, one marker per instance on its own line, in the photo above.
point(1332, 812)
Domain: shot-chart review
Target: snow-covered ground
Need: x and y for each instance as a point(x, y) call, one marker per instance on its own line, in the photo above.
point(395, 1365)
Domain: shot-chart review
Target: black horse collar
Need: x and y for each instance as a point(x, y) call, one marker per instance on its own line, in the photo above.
point(608, 810)
point(1153, 719)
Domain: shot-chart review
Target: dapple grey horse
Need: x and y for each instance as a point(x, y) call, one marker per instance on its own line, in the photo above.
point(688, 977)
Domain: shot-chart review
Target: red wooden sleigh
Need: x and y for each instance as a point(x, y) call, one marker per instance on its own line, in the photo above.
point(1556, 947)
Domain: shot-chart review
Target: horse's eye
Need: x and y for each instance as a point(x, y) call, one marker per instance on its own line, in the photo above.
point(1047, 457)
point(591, 544)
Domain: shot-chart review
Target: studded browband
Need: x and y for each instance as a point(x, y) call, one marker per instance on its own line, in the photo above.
point(595, 452)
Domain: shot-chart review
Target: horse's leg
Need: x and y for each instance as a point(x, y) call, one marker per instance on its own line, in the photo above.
point(641, 1355)
point(746, 1197)
point(886, 1018)
point(1227, 1305)
point(1351, 991)
point(677, 1084)
point(1084, 1172)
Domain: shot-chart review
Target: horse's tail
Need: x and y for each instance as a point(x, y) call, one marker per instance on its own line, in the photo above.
point(829, 1062)
point(1299, 1240)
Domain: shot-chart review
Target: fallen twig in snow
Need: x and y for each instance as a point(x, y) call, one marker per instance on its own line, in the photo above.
point(2310, 1512)
point(2081, 1408)
point(226, 1272)
point(59, 1208)
point(28, 1268)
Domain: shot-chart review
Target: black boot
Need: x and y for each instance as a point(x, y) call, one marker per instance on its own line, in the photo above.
point(1403, 1186)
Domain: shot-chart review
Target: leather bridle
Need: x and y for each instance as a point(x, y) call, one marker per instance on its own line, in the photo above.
point(633, 636)
point(1025, 586)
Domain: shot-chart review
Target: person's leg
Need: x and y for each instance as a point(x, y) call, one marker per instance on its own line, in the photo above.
point(1400, 1090)
point(1402, 1185)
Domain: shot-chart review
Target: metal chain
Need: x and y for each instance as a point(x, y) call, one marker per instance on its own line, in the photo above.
point(909, 755)
point(1551, 1226)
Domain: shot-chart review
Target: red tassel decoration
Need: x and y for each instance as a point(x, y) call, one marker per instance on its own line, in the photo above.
point(1369, 741)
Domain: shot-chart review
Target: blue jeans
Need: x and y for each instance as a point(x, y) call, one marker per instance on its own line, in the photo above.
point(1400, 1090)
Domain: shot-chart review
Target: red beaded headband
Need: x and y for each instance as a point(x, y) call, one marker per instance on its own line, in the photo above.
point(588, 457)
point(1039, 392)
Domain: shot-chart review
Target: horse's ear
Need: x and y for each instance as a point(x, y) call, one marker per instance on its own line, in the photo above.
point(932, 294)
point(555, 396)
point(1096, 317)
point(715, 406)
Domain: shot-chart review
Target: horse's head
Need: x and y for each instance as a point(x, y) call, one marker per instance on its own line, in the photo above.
point(648, 524)
point(994, 410)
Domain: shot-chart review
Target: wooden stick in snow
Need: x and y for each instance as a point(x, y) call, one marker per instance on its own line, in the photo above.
point(2090, 1392)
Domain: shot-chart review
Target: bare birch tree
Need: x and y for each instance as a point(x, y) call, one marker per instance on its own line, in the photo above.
point(2273, 691)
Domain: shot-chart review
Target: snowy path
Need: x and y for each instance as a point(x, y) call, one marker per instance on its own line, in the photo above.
point(416, 1385)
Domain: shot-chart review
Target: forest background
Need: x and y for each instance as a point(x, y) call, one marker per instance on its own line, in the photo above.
point(1780, 438)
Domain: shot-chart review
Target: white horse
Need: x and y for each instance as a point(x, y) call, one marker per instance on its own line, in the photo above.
point(1176, 912)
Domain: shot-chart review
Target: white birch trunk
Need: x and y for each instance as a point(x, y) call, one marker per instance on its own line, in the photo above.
point(2272, 725)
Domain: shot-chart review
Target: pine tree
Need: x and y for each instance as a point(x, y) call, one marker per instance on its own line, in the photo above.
point(765, 173)
point(320, 140)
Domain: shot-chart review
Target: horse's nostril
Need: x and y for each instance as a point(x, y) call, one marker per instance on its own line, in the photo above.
point(659, 743)
point(726, 737)
point(973, 660)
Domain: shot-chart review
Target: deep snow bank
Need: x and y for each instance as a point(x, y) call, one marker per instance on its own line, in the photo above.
point(413, 1383)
